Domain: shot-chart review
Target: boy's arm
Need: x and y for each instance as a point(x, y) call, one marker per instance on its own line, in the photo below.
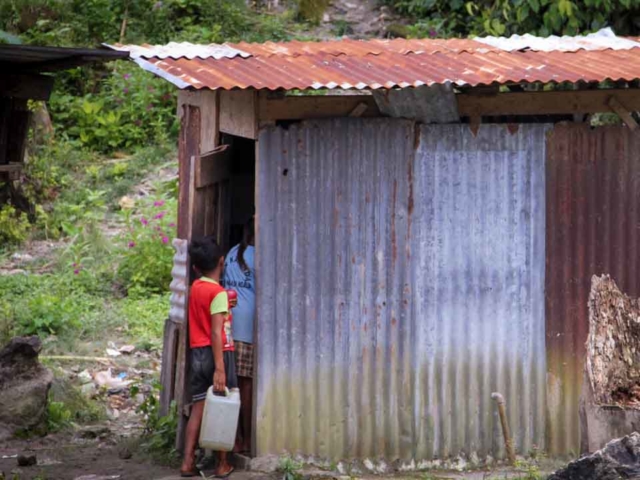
point(219, 377)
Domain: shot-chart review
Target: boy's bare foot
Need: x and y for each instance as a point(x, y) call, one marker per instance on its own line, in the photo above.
point(189, 469)
point(223, 470)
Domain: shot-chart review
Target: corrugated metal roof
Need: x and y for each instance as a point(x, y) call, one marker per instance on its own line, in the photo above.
point(373, 64)
point(31, 58)
point(604, 39)
point(427, 292)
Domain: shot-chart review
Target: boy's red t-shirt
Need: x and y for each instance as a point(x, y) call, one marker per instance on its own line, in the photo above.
point(208, 297)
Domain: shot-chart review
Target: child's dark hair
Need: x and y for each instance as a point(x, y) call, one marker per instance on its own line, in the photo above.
point(248, 234)
point(205, 254)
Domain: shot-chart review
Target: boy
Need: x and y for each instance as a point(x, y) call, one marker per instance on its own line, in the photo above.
point(212, 355)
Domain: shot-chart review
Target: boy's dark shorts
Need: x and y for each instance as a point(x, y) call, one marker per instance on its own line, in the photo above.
point(202, 369)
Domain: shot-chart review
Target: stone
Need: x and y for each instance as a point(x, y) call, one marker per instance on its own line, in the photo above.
point(265, 464)
point(619, 459)
point(93, 431)
point(89, 390)
point(27, 460)
point(127, 349)
point(24, 387)
point(85, 377)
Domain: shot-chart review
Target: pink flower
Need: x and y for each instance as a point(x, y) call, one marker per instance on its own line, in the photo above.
point(158, 203)
point(433, 33)
point(171, 225)
point(165, 240)
point(127, 76)
point(125, 90)
point(144, 221)
point(159, 215)
point(132, 244)
point(75, 264)
point(76, 271)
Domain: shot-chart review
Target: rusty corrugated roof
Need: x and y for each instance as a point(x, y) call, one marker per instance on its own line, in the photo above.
point(374, 64)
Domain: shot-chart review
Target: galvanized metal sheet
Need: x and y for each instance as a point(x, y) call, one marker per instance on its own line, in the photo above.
point(601, 40)
point(401, 275)
point(593, 214)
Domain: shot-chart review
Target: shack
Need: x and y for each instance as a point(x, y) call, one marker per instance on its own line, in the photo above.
point(23, 77)
point(422, 242)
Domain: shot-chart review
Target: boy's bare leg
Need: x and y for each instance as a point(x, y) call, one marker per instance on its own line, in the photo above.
point(223, 466)
point(191, 438)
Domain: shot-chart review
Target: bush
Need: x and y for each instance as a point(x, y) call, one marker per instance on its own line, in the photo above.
point(446, 18)
point(147, 254)
point(45, 305)
point(132, 108)
point(14, 226)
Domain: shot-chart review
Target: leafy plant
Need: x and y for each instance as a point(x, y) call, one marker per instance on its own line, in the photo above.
point(159, 436)
point(147, 254)
point(58, 416)
point(14, 226)
point(290, 469)
point(445, 18)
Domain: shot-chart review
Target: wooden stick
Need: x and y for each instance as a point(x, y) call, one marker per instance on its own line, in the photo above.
point(75, 358)
point(623, 113)
point(506, 432)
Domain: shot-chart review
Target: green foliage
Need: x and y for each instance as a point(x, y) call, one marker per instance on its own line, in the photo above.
point(312, 10)
point(146, 252)
point(290, 469)
point(14, 226)
point(132, 108)
point(458, 18)
point(144, 318)
point(159, 436)
point(58, 416)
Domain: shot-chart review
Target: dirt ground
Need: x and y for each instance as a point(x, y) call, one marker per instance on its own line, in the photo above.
point(63, 457)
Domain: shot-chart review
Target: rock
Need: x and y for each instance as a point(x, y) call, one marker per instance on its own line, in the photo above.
point(84, 377)
point(128, 349)
point(113, 353)
point(24, 387)
point(21, 257)
point(93, 431)
point(89, 390)
point(265, 464)
point(27, 460)
point(326, 18)
point(618, 459)
point(126, 203)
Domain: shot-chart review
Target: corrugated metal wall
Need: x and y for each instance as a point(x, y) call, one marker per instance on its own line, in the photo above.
point(593, 227)
point(401, 280)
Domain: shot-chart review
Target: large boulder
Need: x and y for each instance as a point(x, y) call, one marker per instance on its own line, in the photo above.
point(24, 387)
point(619, 459)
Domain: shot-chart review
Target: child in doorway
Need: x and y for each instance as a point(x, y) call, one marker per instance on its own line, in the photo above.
point(211, 346)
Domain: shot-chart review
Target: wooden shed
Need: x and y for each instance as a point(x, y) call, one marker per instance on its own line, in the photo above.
point(23, 77)
point(429, 214)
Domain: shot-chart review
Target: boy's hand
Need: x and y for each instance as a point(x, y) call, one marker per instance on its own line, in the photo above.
point(219, 381)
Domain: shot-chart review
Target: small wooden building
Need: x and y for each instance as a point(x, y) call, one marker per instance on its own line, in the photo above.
point(23, 77)
point(426, 231)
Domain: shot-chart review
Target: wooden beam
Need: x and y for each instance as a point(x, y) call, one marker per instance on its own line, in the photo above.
point(25, 86)
point(359, 110)
point(546, 103)
point(206, 173)
point(238, 113)
point(623, 113)
point(309, 107)
point(11, 167)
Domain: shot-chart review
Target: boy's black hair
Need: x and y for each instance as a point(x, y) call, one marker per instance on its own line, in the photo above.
point(205, 254)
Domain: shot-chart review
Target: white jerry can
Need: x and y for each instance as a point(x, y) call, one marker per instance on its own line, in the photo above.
point(220, 420)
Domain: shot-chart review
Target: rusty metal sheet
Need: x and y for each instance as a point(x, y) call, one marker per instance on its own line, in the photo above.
point(401, 274)
point(375, 64)
point(593, 214)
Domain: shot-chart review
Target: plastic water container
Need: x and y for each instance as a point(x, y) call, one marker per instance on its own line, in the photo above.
point(220, 420)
